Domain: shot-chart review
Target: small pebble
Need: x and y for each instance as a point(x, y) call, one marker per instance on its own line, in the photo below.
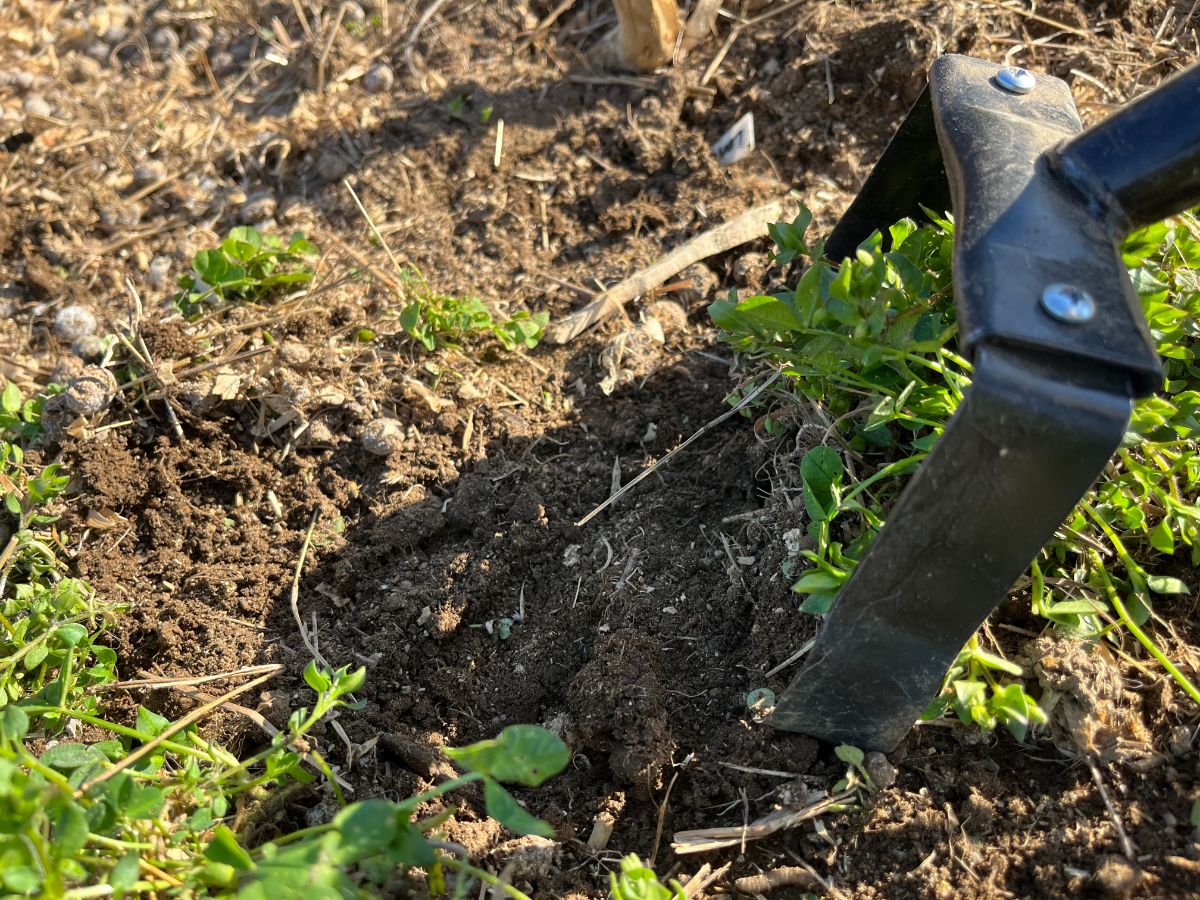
point(294, 354)
point(750, 269)
point(159, 274)
point(703, 283)
point(670, 315)
point(89, 348)
point(383, 437)
point(882, 772)
point(149, 171)
point(259, 207)
point(1117, 877)
point(353, 12)
point(90, 391)
point(36, 105)
point(74, 322)
point(379, 78)
point(331, 165)
point(83, 69)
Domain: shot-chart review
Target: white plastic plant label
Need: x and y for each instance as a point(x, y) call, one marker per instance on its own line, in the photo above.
point(736, 143)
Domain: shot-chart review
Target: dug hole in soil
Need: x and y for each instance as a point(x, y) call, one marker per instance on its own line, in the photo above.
point(453, 569)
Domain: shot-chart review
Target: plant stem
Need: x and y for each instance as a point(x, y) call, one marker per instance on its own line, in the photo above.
point(1144, 639)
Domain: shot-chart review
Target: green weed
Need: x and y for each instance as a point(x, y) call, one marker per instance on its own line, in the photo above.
point(435, 320)
point(872, 342)
point(637, 881)
point(247, 266)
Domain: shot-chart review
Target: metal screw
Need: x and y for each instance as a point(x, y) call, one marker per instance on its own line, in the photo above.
point(1016, 80)
point(1068, 303)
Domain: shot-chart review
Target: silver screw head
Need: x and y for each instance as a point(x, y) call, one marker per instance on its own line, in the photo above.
point(1016, 80)
point(1068, 303)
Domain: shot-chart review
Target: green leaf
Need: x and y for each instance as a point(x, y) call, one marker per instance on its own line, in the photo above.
point(12, 503)
point(10, 400)
point(411, 847)
point(67, 756)
point(1162, 539)
point(850, 755)
point(124, 875)
point(1076, 608)
point(244, 234)
point(14, 722)
point(316, 679)
point(818, 580)
point(35, 657)
point(224, 848)
point(1163, 584)
point(70, 831)
point(151, 722)
point(819, 604)
point(72, 634)
point(504, 808)
point(821, 469)
point(768, 313)
point(999, 663)
point(145, 802)
point(365, 828)
point(522, 754)
point(211, 266)
point(22, 879)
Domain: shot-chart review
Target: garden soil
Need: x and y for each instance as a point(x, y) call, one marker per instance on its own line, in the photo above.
point(454, 569)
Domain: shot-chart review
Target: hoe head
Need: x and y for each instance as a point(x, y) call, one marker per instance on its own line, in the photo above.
point(1060, 349)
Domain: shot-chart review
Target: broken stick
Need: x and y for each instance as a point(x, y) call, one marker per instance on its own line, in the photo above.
point(745, 228)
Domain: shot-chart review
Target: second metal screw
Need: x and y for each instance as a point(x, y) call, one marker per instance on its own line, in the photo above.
point(1068, 303)
point(1016, 80)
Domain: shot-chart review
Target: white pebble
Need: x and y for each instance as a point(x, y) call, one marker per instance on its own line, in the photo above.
point(160, 272)
point(36, 105)
point(383, 437)
point(74, 322)
point(379, 78)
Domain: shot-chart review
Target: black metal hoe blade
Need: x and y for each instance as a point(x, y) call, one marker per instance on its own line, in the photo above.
point(1060, 349)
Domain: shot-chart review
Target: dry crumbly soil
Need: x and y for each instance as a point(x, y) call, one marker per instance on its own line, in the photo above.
point(134, 135)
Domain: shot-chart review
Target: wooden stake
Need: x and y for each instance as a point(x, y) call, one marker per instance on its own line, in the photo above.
point(644, 38)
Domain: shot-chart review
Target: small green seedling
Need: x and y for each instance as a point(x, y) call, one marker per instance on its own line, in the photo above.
point(247, 266)
point(436, 321)
point(857, 776)
point(637, 881)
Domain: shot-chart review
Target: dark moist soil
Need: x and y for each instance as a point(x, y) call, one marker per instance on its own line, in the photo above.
point(454, 570)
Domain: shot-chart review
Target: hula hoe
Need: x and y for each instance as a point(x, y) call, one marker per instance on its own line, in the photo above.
point(1060, 349)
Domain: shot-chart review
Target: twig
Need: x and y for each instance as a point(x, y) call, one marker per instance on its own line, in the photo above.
point(171, 730)
point(646, 474)
point(415, 33)
point(746, 227)
point(702, 840)
point(662, 816)
point(136, 333)
point(499, 152)
point(187, 681)
point(1126, 844)
point(791, 659)
point(550, 18)
point(295, 596)
point(333, 33)
point(375, 231)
